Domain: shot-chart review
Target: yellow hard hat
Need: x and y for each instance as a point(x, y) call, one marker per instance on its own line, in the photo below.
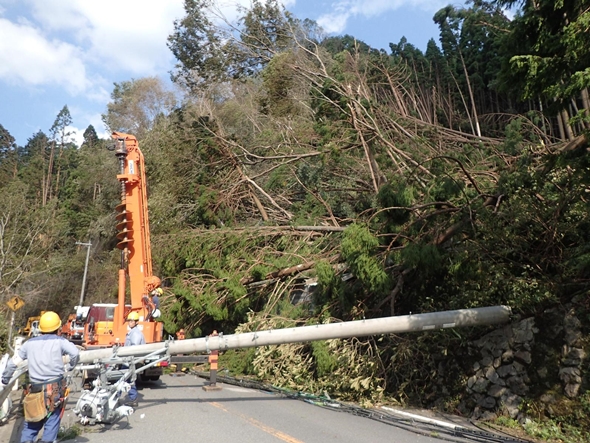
point(133, 315)
point(49, 322)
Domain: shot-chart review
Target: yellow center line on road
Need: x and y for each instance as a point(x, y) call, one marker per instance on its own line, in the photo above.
point(280, 435)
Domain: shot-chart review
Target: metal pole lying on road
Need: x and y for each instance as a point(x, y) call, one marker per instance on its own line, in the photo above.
point(102, 403)
point(359, 328)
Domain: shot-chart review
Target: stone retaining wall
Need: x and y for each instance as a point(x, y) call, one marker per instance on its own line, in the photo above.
point(510, 360)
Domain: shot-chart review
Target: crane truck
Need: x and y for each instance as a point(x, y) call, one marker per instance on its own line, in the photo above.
point(73, 327)
point(106, 324)
point(32, 327)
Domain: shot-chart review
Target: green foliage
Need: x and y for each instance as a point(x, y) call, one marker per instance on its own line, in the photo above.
point(71, 432)
point(6, 140)
point(325, 273)
point(90, 137)
point(421, 367)
point(343, 368)
point(207, 52)
point(425, 257)
point(238, 361)
point(8, 155)
point(207, 211)
point(209, 270)
point(554, 431)
point(471, 39)
point(508, 422)
point(136, 105)
point(278, 178)
point(266, 31)
point(27, 237)
point(325, 362)
point(358, 248)
point(196, 45)
point(445, 189)
point(308, 210)
point(358, 242)
point(59, 129)
point(396, 198)
point(514, 137)
point(4, 326)
point(546, 53)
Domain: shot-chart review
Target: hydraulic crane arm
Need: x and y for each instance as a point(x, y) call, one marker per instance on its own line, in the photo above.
point(134, 239)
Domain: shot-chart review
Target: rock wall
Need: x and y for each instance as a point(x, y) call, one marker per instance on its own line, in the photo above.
point(517, 357)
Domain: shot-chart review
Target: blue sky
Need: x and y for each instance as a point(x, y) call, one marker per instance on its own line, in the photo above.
point(70, 52)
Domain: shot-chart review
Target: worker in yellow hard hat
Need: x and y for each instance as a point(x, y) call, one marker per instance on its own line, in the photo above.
point(155, 299)
point(133, 338)
point(46, 395)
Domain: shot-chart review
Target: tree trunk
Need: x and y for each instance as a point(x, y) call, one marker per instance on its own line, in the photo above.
point(569, 135)
point(586, 104)
point(47, 185)
point(473, 109)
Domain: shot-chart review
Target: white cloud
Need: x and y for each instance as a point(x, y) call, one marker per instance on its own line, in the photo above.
point(77, 134)
point(127, 35)
point(58, 43)
point(58, 15)
point(334, 23)
point(344, 10)
point(81, 115)
point(28, 57)
point(71, 51)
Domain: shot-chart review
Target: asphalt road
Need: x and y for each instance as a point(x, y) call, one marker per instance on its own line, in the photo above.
point(178, 409)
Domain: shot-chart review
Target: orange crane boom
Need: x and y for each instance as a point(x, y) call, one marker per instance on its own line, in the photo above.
point(136, 280)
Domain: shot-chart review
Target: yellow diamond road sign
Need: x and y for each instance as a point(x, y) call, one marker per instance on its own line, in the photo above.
point(15, 303)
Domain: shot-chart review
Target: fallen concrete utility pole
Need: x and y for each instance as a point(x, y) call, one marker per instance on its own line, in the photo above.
point(102, 403)
point(359, 328)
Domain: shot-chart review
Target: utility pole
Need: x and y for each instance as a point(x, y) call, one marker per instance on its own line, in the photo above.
point(10, 331)
point(85, 269)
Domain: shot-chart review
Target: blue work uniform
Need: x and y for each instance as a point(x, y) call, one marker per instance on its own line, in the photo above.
point(44, 355)
point(156, 301)
point(133, 338)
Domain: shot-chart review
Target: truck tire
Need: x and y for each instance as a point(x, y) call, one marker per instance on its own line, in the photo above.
point(145, 378)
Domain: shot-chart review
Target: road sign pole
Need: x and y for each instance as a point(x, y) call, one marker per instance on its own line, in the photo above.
point(10, 329)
